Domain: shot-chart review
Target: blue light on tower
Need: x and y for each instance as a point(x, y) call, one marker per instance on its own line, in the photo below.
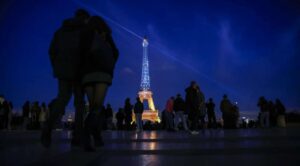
point(145, 82)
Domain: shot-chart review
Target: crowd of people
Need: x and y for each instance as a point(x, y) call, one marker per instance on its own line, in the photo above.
point(271, 114)
point(6, 108)
point(189, 114)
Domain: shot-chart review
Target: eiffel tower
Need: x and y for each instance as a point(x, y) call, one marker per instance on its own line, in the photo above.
point(145, 93)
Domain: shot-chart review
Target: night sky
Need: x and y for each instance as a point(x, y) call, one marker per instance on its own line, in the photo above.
point(242, 48)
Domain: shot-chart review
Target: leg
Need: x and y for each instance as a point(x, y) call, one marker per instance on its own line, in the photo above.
point(79, 113)
point(176, 120)
point(57, 108)
point(183, 119)
point(267, 119)
point(138, 121)
point(214, 121)
point(92, 124)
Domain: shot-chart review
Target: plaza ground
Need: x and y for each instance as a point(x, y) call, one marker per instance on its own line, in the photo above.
point(278, 146)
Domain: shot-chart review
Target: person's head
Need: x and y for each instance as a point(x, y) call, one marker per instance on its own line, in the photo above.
point(193, 84)
point(178, 95)
point(172, 98)
point(82, 15)
point(225, 96)
point(138, 99)
point(99, 25)
point(210, 100)
point(127, 100)
point(278, 101)
point(262, 98)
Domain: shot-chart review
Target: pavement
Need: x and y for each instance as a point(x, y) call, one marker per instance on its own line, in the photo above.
point(277, 146)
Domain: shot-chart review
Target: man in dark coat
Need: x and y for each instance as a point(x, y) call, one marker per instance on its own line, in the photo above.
point(138, 111)
point(120, 116)
point(264, 112)
point(179, 108)
point(210, 106)
point(65, 59)
point(226, 109)
point(192, 105)
point(128, 113)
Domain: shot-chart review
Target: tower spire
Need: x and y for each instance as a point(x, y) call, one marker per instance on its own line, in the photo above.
point(145, 80)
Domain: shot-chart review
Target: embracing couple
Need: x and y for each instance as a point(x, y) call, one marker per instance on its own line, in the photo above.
point(83, 56)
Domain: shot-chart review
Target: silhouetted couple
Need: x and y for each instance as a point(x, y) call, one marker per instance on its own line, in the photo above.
point(83, 56)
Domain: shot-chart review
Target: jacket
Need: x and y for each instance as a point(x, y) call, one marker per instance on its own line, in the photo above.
point(179, 104)
point(104, 59)
point(138, 108)
point(64, 50)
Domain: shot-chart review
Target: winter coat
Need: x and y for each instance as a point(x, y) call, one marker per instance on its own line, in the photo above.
point(191, 99)
point(101, 59)
point(64, 50)
point(225, 106)
point(169, 105)
point(179, 104)
point(138, 108)
point(128, 110)
point(210, 108)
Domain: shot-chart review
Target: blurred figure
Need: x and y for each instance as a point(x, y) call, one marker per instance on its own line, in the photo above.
point(35, 111)
point(25, 114)
point(1, 112)
point(264, 112)
point(66, 60)
point(120, 116)
point(6, 112)
point(210, 105)
point(170, 114)
point(99, 55)
point(201, 108)
point(235, 116)
point(192, 106)
point(43, 115)
point(226, 109)
point(128, 113)
point(109, 117)
point(280, 108)
point(138, 111)
point(273, 114)
point(179, 108)
point(10, 115)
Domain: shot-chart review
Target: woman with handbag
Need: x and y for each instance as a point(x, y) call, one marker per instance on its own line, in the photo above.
point(99, 55)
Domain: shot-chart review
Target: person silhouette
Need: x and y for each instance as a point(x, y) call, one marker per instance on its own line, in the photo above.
point(65, 59)
point(99, 54)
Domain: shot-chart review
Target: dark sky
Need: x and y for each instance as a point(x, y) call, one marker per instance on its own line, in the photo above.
point(243, 48)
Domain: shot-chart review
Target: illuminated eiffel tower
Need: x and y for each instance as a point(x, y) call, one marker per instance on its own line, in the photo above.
point(145, 93)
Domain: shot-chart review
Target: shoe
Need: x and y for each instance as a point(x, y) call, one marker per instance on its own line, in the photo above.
point(46, 137)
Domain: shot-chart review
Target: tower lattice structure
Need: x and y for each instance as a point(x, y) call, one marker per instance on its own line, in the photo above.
point(145, 93)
